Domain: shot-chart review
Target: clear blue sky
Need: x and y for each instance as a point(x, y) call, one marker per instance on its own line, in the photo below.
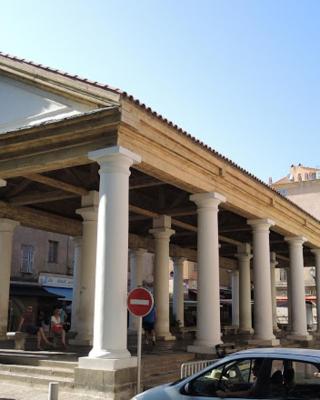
point(240, 75)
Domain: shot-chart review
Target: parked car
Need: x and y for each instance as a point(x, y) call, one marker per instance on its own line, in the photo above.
point(269, 373)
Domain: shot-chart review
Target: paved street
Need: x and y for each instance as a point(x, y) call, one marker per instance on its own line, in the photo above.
point(9, 391)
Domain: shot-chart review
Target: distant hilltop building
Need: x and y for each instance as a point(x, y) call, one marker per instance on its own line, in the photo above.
point(301, 186)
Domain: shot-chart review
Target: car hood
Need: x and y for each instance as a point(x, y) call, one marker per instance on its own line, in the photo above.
point(162, 392)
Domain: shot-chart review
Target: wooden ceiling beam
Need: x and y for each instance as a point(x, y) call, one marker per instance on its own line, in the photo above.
point(234, 229)
point(67, 187)
point(175, 222)
point(35, 198)
point(41, 220)
point(139, 183)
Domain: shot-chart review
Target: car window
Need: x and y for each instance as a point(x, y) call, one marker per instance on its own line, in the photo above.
point(232, 376)
point(294, 380)
point(206, 384)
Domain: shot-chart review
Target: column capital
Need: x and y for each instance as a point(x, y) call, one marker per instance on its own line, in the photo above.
point(88, 214)
point(260, 224)
point(3, 183)
point(208, 199)
point(8, 225)
point(243, 251)
point(138, 251)
point(162, 233)
point(179, 260)
point(295, 240)
point(114, 159)
point(273, 259)
point(90, 199)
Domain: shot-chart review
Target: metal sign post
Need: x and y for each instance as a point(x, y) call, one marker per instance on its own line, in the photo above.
point(140, 303)
point(139, 339)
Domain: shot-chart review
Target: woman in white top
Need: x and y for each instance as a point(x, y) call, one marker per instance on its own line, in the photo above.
point(57, 326)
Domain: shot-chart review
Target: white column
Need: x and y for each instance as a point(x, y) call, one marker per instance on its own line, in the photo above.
point(245, 315)
point(162, 232)
point(263, 329)
point(289, 302)
point(7, 227)
point(110, 311)
point(178, 290)
point(136, 277)
point(273, 264)
point(86, 272)
point(77, 242)
point(299, 314)
point(235, 297)
point(208, 309)
point(316, 253)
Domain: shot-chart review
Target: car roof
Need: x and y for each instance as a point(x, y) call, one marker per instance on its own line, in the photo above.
point(311, 355)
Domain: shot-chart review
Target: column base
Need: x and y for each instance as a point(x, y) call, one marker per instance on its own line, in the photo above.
point(316, 335)
point(249, 331)
point(165, 336)
point(108, 364)
point(299, 338)
point(202, 348)
point(264, 342)
point(116, 378)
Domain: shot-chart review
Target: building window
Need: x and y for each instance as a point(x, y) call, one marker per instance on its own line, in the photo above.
point(283, 275)
point(53, 251)
point(27, 257)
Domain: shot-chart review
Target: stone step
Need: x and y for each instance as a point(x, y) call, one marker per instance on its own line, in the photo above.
point(58, 364)
point(38, 371)
point(35, 379)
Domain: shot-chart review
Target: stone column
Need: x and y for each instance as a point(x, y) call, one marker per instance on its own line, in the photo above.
point(289, 302)
point(245, 316)
point(208, 309)
point(162, 232)
point(273, 264)
point(110, 310)
point(136, 275)
point(109, 366)
point(7, 227)
point(178, 290)
point(235, 297)
point(316, 253)
point(77, 242)
point(263, 327)
point(299, 315)
point(86, 272)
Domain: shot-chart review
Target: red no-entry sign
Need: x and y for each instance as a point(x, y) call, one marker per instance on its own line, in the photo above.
point(140, 302)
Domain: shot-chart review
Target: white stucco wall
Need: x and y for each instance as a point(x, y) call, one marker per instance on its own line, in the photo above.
point(24, 105)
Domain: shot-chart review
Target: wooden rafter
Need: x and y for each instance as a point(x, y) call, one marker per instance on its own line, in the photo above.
point(139, 183)
point(175, 222)
point(67, 187)
point(35, 198)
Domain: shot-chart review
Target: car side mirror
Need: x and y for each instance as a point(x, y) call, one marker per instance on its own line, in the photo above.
point(187, 389)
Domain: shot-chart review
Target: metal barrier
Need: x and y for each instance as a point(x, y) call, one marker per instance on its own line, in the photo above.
point(192, 367)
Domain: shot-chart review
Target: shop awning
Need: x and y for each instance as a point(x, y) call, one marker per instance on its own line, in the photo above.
point(62, 293)
point(27, 290)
